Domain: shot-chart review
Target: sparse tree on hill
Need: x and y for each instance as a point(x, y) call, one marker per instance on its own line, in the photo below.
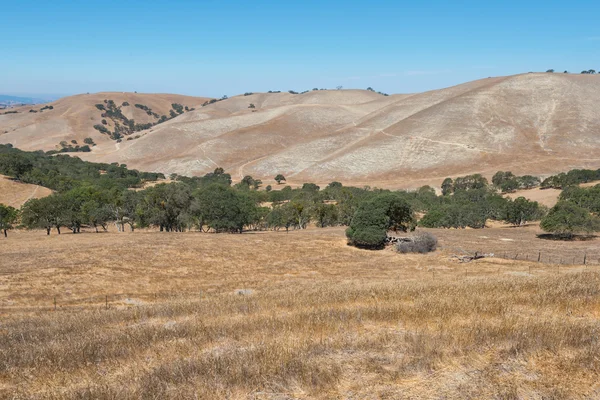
point(279, 178)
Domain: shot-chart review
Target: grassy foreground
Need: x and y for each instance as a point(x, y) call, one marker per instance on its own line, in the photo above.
point(276, 316)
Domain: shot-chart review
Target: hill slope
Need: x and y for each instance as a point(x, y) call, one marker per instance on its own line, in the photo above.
point(74, 118)
point(531, 123)
point(15, 194)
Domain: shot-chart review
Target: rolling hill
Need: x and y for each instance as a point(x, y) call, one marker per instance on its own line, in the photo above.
point(530, 123)
point(43, 127)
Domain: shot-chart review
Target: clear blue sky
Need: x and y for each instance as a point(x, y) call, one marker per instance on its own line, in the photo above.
point(212, 47)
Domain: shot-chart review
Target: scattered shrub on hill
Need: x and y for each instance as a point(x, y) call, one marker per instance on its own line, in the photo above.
point(125, 104)
point(101, 107)
point(248, 94)
point(101, 129)
point(47, 108)
point(251, 105)
point(89, 141)
point(421, 243)
point(178, 108)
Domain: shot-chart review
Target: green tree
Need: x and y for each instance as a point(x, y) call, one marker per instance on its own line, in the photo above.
point(14, 164)
point(45, 213)
point(8, 217)
point(566, 219)
point(447, 186)
point(225, 210)
point(326, 215)
point(368, 228)
point(279, 178)
point(521, 210)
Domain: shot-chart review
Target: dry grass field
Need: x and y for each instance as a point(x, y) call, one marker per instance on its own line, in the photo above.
point(299, 315)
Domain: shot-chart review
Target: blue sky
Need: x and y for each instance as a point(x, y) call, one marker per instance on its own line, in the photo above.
point(212, 47)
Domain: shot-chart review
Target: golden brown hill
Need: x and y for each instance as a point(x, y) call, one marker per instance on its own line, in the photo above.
point(74, 117)
point(15, 194)
point(532, 123)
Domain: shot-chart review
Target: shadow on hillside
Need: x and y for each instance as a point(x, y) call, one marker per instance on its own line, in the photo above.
point(566, 238)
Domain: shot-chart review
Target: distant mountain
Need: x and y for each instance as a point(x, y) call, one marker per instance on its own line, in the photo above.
point(8, 100)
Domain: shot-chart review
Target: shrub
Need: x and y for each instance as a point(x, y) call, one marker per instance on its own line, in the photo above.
point(422, 243)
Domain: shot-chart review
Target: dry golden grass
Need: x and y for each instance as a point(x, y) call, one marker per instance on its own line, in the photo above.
point(279, 316)
point(15, 194)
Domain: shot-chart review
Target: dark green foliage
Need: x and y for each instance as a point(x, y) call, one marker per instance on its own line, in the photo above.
point(399, 212)
point(326, 215)
point(178, 108)
point(102, 129)
point(573, 177)
point(588, 198)
point(166, 206)
point(447, 186)
point(507, 182)
point(89, 141)
point(62, 173)
point(310, 188)
point(368, 228)
point(521, 210)
point(374, 217)
point(566, 219)
point(125, 104)
point(469, 182)
point(14, 164)
point(279, 178)
point(8, 217)
point(223, 209)
point(101, 107)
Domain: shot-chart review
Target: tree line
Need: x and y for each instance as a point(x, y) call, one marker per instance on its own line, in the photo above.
point(96, 195)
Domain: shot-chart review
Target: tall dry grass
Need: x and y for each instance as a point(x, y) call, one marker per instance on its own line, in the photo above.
point(484, 338)
point(321, 320)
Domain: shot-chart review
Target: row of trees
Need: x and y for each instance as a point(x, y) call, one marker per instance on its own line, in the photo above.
point(95, 195)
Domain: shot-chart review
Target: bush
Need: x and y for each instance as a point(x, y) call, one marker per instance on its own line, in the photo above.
point(422, 243)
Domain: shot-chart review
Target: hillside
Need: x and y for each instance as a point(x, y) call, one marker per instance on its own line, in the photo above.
point(73, 118)
point(15, 194)
point(531, 123)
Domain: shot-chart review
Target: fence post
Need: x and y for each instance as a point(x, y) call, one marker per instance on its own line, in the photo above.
point(584, 258)
point(107, 302)
point(54, 303)
point(539, 256)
